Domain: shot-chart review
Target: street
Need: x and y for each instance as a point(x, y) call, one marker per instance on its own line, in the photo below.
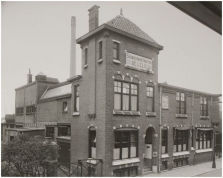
point(216, 173)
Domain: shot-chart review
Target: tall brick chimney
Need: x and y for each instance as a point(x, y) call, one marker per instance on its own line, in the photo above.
point(93, 17)
point(73, 47)
point(29, 77)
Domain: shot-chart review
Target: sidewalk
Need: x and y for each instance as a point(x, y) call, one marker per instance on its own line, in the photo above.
point(188, 171)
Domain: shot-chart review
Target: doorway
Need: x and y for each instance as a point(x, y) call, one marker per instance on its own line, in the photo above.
point(148, 152)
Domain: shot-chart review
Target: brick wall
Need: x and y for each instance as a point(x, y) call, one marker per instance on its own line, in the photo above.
point(142, 121)
point(169, 118)
point(52, 111)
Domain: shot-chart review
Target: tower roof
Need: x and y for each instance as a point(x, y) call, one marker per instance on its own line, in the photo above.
point(124, 24)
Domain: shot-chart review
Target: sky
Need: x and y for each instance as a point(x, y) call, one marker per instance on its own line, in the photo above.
point(36, 35)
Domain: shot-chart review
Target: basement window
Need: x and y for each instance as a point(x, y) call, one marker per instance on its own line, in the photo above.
point(126, 172)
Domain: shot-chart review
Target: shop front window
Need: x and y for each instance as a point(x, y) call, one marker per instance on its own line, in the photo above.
point(203, 139)
point(180, 140)
point(126, 144)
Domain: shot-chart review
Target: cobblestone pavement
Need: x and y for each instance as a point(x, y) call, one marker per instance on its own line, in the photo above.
point(189, 171)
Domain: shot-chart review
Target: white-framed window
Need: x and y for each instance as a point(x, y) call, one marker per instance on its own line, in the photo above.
point(150, 98)
point(126, 94)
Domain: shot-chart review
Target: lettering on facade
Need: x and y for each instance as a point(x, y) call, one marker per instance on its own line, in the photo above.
point(165, 102)
point(138, 62)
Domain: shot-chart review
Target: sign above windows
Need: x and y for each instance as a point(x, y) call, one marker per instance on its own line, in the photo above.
point(138, 62)
point(165, 102)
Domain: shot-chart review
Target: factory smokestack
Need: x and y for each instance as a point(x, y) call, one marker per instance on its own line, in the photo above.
point(73, 47)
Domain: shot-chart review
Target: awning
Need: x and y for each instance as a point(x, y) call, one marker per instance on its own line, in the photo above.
point(205, 128)
point(182, 128)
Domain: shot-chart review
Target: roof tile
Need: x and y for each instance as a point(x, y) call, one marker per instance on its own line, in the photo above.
point(126, 25)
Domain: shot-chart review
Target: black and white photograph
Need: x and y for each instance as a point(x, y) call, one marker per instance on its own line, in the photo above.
point(111, 88)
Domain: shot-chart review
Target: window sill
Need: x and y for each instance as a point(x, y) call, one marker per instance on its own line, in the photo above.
point(150, 114)
point(181, 115)
point(166, 155)
point(181, 153)
point(204, 150)
point(75, 114)
point(126, 113)
point(100, 60)
point(204, 117)
point(85, 66)
point(192, 148)
point(116, 61)
point(150, 72)
point(125, 161)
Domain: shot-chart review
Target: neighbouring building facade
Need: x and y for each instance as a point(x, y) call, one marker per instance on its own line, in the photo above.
point(116, 110)
point(27, 96)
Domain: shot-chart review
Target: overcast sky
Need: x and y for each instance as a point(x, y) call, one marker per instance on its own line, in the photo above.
point(36, 35)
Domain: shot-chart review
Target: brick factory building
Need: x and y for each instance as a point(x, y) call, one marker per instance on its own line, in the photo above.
point(116, 110)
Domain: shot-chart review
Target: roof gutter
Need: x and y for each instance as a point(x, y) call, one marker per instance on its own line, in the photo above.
point(188, 90)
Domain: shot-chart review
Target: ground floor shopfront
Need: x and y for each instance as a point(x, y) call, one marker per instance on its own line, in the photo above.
point(138, 151)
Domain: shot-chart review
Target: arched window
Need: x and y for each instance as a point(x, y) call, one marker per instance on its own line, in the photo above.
point(92, 142)
point(135, 80)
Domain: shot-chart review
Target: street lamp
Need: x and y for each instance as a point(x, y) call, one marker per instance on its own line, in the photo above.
point(214, 124)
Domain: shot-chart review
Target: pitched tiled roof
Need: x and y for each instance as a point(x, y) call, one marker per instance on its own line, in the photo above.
point(126, 25)
point(58, 91)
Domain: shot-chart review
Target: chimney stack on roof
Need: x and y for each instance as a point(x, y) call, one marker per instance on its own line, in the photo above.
point(29, 77)
point(73, 47)
point(93, 17)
